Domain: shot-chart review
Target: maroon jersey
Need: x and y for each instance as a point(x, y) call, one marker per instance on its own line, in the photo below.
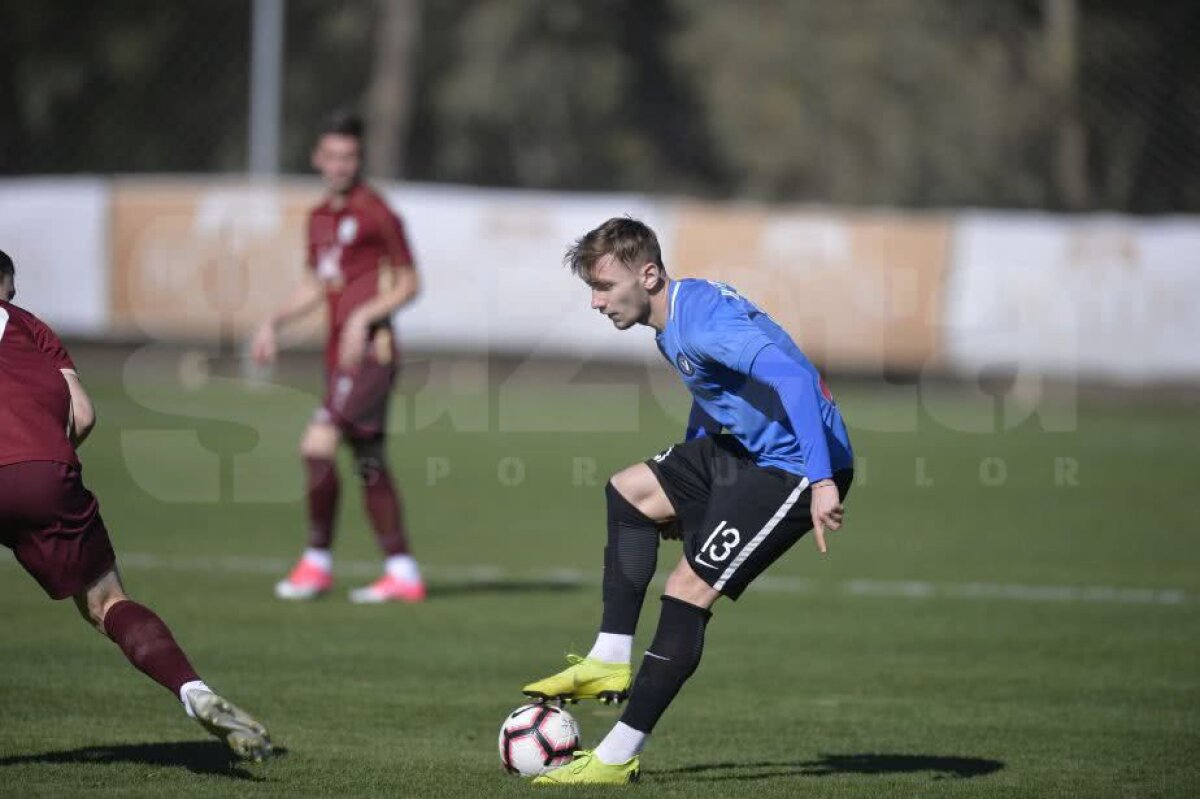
point(35, 402)
point(356, 250)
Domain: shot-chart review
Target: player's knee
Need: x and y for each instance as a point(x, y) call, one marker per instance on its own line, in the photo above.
point(95, 603)
point(368, 468)
point(88, 613)
point(622, 509)
point(627, 483)
point(640, 488)
point(319, 441)
point(369, 459)
point(687, 586)
point(317, 451)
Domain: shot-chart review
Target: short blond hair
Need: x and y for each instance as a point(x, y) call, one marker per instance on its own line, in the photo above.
point(629, 240)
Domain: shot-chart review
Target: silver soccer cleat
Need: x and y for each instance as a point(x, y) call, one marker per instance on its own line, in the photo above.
point(244, 736)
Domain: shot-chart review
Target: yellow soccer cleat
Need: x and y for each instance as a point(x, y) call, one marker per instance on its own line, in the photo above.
point(585, 678)
point(587, 769)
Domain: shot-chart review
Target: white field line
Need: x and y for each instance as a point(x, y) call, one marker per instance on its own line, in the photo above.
point(484, 574)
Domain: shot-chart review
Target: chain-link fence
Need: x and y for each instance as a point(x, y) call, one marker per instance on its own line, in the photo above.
point(1060, 104)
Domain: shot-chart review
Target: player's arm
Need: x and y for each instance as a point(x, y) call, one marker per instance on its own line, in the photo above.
point(729, 337)
point(387, 302)
point(83, 413)
point(406, 286)
point(700, 424)
point(798, 395)
point(304, 298)
point(403, 291)
point(381, 307)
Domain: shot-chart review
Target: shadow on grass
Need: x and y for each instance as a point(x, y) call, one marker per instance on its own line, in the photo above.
point(939, 766)
point(198, 757)
point(502, 586)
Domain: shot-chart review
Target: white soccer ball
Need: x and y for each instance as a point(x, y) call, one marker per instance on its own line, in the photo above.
point(537, 738)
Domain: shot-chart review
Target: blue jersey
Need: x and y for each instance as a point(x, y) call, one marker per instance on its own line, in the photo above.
point(714, 338)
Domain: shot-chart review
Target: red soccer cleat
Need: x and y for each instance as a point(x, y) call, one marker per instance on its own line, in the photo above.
point(389, 589)
point(307, 581)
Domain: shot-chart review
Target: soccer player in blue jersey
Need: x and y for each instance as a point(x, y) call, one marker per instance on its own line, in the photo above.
point(766, 458)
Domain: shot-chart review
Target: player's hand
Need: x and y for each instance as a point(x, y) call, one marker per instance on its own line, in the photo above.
point(670, 530)
point(354, 343)
point(827, 512)
point(264, 347)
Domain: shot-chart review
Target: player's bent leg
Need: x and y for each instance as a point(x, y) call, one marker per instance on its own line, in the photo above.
point(312, 576)
point(137, 631)
point(672, 658)
point(687, 586)
point(149, 646)
point(641, 488)
point(95, 601)
point(630, 558)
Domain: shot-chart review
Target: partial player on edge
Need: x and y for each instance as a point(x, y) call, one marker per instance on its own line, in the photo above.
point(52, 522)
point(739, 498)
point(361, 267)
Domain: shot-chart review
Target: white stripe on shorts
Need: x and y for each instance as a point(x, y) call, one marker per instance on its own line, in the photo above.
point(762, 534)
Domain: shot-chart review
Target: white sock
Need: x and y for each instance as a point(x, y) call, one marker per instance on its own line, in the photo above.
point(321, 558)
point(187, 687)
point(621, 744)
point(403, 567)
point(612, 648)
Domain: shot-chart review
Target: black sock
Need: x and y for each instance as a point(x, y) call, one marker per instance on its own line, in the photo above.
point(629, 561)
point(670, 660)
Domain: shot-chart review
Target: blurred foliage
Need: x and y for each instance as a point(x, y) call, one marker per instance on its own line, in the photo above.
point(915, 103)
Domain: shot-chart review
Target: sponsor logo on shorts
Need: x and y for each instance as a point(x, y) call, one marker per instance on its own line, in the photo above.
point(662, 456)
point(684, 365)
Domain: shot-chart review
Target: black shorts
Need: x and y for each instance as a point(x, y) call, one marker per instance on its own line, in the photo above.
point(737, 517)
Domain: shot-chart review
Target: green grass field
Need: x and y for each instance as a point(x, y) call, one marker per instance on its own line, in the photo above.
point(1027, 638)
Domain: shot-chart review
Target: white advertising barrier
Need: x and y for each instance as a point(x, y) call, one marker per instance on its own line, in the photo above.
point(1098, 297)
point(492, 270)
point(56, 231)
point(195, 258)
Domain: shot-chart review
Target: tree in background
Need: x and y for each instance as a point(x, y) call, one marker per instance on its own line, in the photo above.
point(1061, 104)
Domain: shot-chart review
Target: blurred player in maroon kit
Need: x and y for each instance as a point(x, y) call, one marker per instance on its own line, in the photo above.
point(52, 522)
point(359, 262)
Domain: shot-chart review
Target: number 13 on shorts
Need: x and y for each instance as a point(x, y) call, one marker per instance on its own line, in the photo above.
point(720, 545)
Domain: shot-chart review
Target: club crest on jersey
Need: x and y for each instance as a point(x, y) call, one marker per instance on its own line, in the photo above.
point(347, 229)
point(684, 365)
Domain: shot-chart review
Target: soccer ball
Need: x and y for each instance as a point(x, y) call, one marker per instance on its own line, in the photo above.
point(537, 738)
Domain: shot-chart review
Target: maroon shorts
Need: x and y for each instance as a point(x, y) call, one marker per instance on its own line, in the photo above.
point(53, 525)
point(357, 402)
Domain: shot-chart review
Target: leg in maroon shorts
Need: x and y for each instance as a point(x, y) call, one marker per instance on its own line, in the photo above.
point(52, 523)
point(381, 496)
point(148, 644)
point(312, 576)
point(318, 447)
point(140, 634)
point(359, 404)
point(359, 407)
